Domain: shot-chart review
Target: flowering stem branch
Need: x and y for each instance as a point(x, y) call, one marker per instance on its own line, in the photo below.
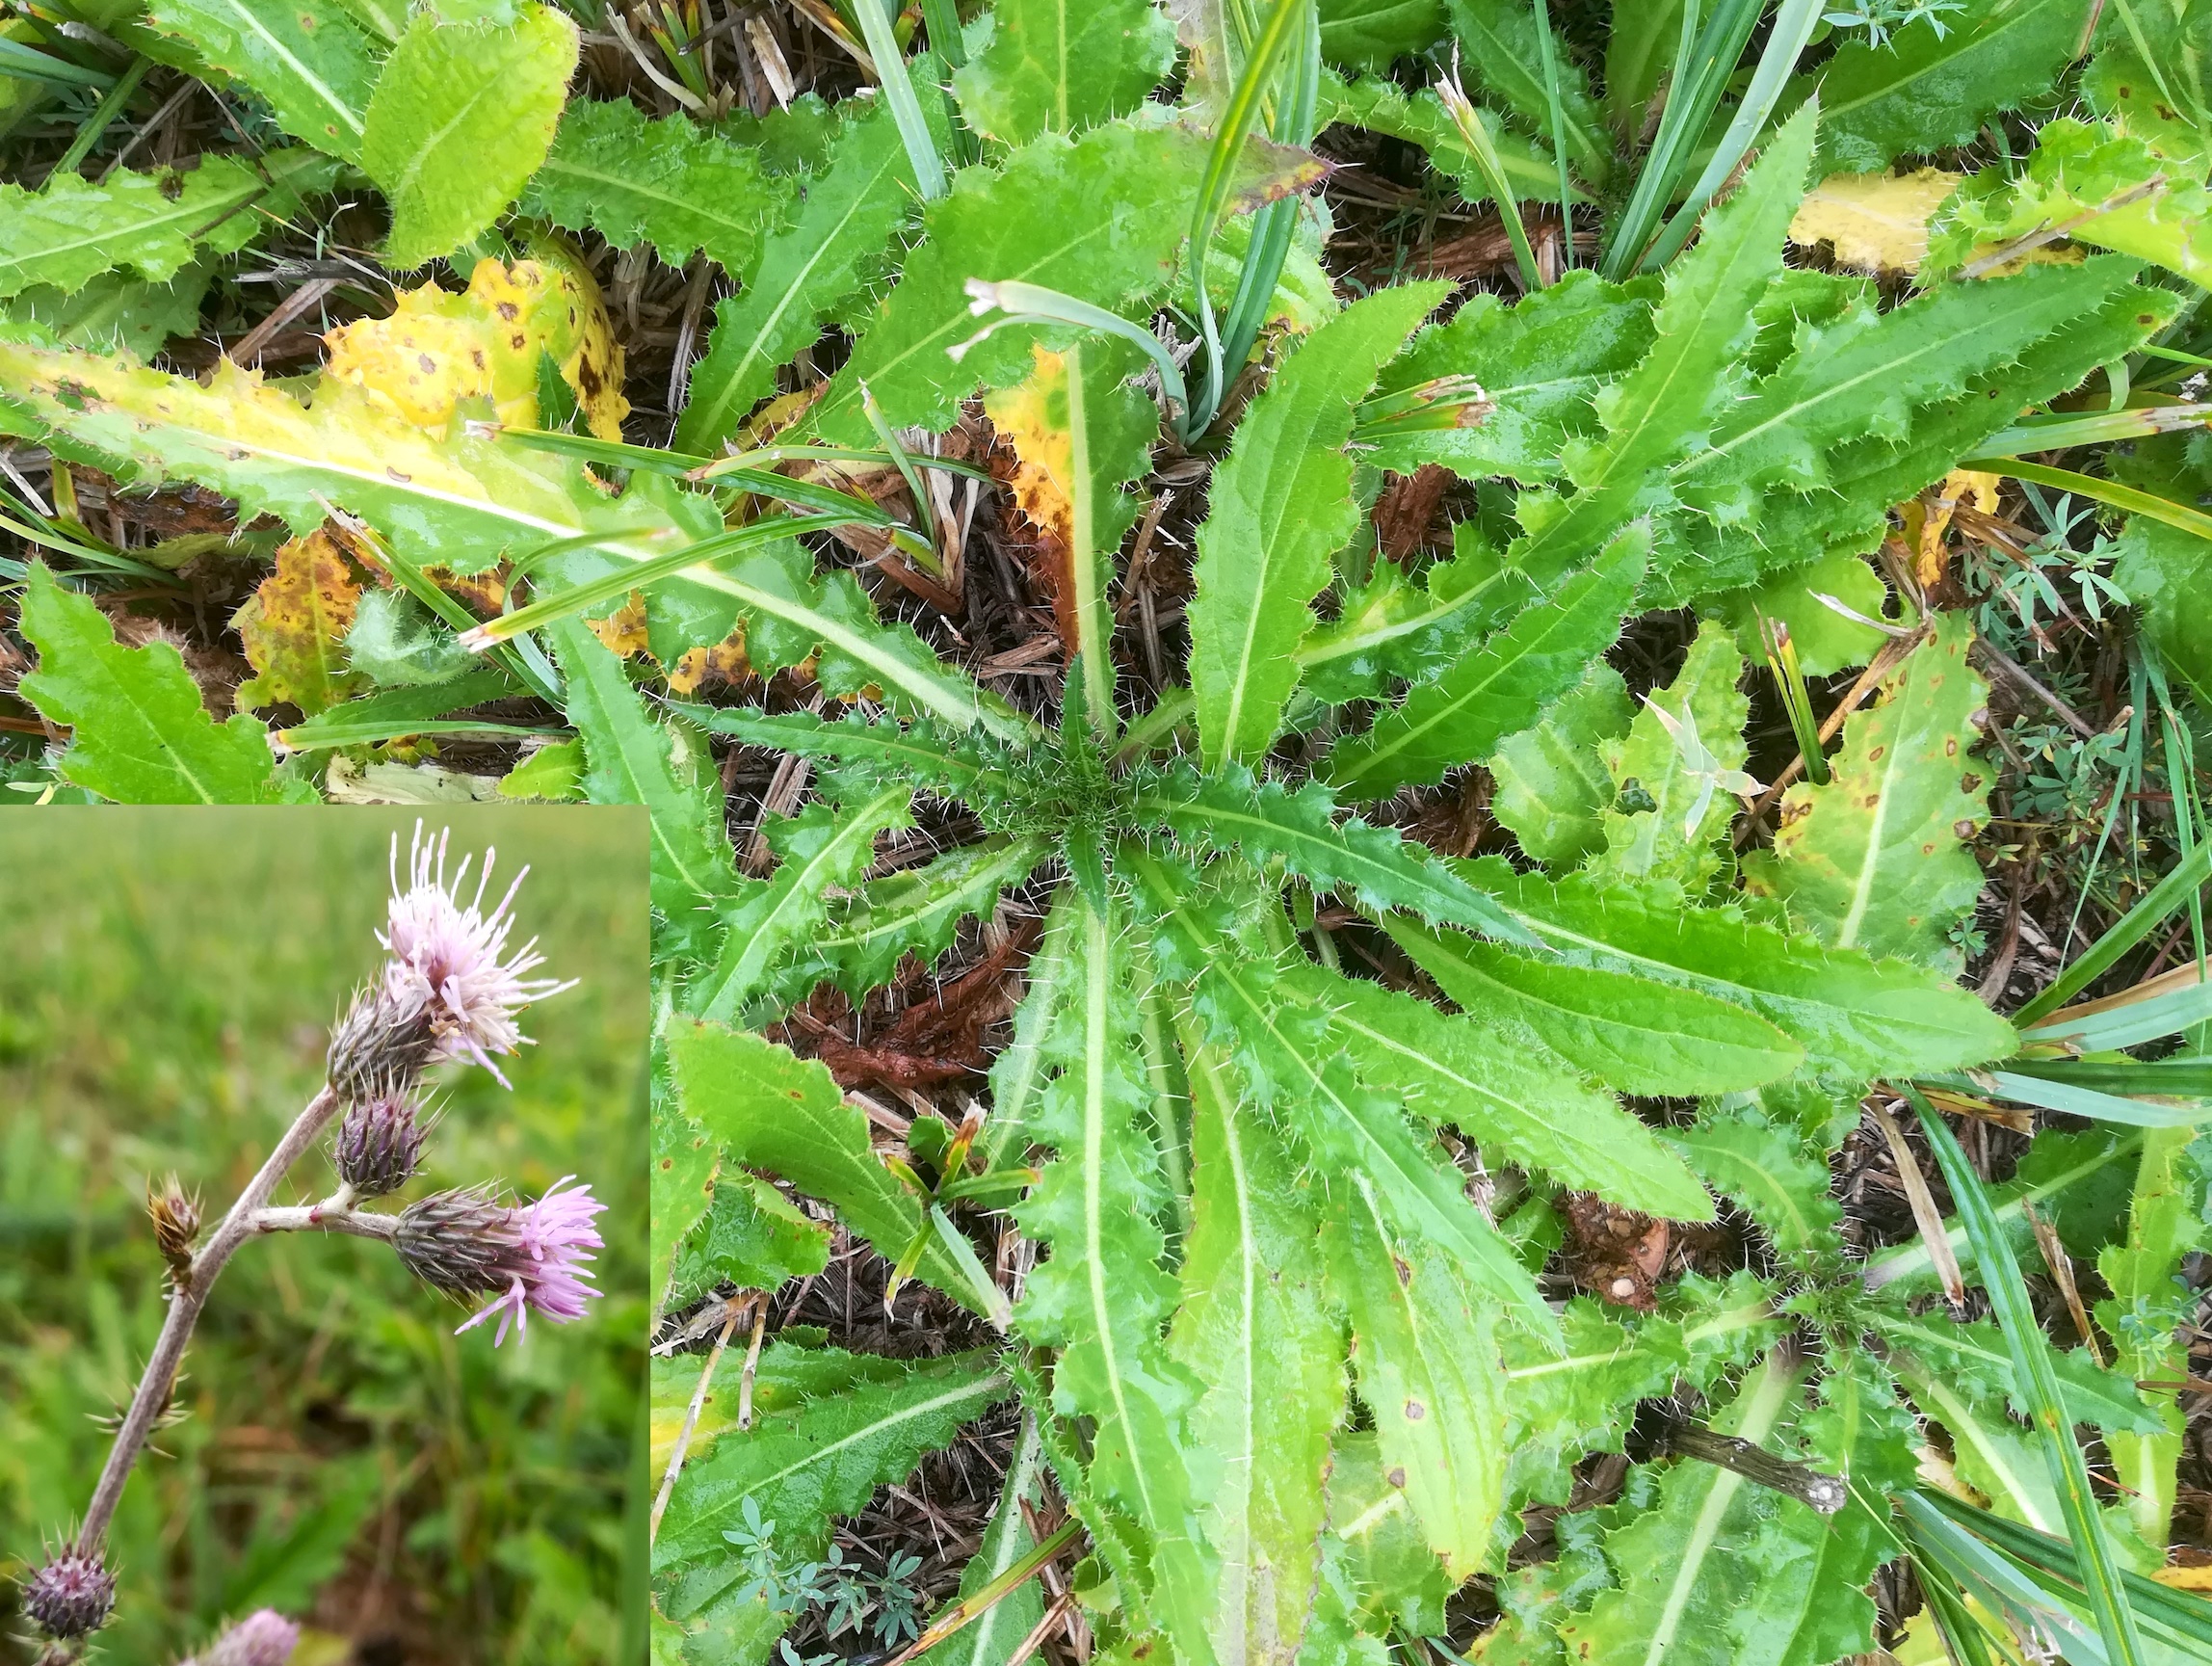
point(335, 1213)
point(185, 1302)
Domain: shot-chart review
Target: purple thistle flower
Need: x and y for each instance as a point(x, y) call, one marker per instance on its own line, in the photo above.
point(467, 1243)
point(263, 1638)
point(71, 1595)
point(446, 967)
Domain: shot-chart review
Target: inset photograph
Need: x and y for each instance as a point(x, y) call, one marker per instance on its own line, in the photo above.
point(322, 1236)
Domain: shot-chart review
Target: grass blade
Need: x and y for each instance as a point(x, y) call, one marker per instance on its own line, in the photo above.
point(2139, 922)
point(2038, 1382)
point(898, 94)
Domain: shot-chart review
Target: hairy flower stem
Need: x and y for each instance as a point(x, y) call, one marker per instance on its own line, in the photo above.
point(189, 1296)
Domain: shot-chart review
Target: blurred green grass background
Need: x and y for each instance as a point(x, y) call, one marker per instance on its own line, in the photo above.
point(167, 981)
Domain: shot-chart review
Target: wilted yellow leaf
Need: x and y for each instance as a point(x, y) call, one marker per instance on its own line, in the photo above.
point(293, 627)
point(2198, 1578)
point(1928, 517)
point(1033, 419)
point(719, 663)
point(440, 349)
point(1878, 222)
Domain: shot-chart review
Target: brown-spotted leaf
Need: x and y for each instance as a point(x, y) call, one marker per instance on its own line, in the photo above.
point(293, 628)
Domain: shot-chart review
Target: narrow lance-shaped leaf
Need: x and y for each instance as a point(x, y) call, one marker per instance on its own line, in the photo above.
point(1279, 507)
point(141, 734)
point(1230, 814)
point(808, 1461)
point(774, 922)
point(630, 759)
point(1513, 1101)
point(1628, 1032)
point(807, 272)
point(1501, 686)
point(1255, 1325)
point(1102, 1296)
point(1854, 1016)
point(1663, 408)
point(1429, 1369)
point(916, 910)
point(1874, 859)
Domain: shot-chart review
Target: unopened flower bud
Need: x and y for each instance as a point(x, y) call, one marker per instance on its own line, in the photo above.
point(175, 1219)
point(380, 1046)
point(380, 1144)
point(468, 1243)
point(71, 1595)
point(263, 1638)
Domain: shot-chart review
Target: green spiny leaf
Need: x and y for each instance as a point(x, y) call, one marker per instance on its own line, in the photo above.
point(1766, 1169)
point(1873, 859)
point(1540, 361)
point(808, 272)
point(1045, 66)
point(1513, 1101)
point(1663, 408)
point(70, 230)
point(1231, 814)
point(1628, 1032)
point(916, 910)
point(1502, 55)
point(312, 62)
point(630, 759)
point(1102, 1296)
point(1552, 782)
point(668, 182)
point(140, 734)
point(1279, 507)
point(1933, 83)
point(1381, 106)
point(461, 116)
point(1255, 1325)
point(1854, 1016)
point(753, 1237)
point(1500, 687)
point(785, 1114)
point(774, 923)
point(1429, 1369)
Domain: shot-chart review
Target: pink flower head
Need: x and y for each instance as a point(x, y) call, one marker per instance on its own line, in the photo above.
point(446, 966)
point(263, 1638)
point(541, 1260)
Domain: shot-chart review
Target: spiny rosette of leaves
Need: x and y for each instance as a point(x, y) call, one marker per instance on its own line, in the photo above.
point(1306, 1118)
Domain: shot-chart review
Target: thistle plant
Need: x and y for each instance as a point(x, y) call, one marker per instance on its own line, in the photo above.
point(449, 990)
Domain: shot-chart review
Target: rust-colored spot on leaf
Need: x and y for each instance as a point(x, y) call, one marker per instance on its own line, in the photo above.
point(293, 627)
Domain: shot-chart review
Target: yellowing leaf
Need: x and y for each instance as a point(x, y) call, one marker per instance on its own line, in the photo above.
point(293, 627)
point(1878, 222)
point(623, 630)
point(440, 349)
